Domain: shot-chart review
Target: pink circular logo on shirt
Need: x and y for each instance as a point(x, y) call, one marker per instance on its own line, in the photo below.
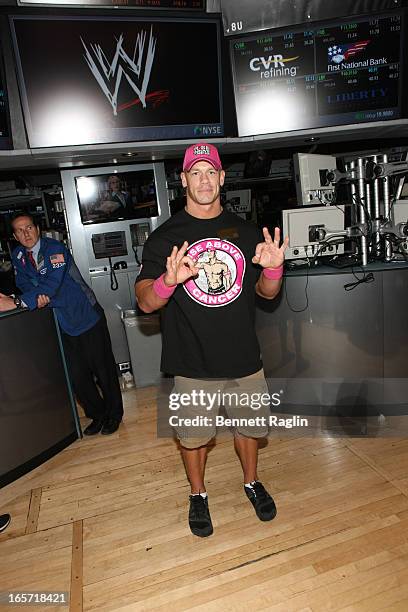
point(221, 272)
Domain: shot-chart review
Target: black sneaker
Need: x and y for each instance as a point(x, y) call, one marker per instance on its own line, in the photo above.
point(4, 521)
point(110, 426)
point(199, 517)
point(94, 427)
point(261, 500)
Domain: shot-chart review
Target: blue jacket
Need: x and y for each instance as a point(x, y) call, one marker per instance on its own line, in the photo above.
point(58, 277)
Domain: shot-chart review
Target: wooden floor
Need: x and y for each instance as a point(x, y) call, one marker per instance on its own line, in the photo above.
point(106, 520)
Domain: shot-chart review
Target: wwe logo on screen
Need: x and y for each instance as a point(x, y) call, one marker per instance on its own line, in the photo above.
point(135, 69)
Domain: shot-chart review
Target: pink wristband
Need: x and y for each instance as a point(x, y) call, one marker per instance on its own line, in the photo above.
point(273, 273)
point(161, 289)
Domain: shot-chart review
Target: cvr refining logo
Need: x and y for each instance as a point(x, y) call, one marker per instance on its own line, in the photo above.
point(273, 66)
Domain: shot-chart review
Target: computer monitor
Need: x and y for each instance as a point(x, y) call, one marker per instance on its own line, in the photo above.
point(104, 198)
point(117, 79)
point(339, 73)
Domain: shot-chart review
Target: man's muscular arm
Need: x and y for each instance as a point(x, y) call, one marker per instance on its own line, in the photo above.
point(179, 268)
point(267, 288)
point(270, 256)
point(147, 298)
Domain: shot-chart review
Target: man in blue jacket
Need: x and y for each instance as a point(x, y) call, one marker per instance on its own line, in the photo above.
point(46, 274)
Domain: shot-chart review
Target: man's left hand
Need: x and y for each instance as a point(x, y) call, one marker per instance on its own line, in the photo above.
point(269, 254)
point(6, 303)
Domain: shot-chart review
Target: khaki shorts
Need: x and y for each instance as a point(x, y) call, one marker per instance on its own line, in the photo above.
point(233, 394)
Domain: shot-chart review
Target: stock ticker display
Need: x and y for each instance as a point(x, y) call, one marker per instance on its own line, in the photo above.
point(340, 74)
point(148, 4)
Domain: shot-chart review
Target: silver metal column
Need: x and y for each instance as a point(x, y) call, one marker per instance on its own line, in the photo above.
point(376, 190)
point(368, 205)
point(361, 203)
point(386, 194)
point(351, 167)
point(368, 199)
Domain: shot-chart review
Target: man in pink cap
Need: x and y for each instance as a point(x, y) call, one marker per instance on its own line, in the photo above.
point(201, 152)
point(209, 340)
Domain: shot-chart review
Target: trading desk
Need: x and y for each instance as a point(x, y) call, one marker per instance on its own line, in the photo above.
point(326, 347)
point(37, 413)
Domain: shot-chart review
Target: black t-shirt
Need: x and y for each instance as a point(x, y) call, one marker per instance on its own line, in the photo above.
point(209, 322)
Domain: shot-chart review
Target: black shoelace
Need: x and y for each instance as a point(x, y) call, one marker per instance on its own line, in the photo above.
point(198, 506)
point(259, 491)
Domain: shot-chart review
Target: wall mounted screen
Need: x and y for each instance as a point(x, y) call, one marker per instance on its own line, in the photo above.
point(5, 141)
point(176, 5)
point(89, 80)
point(112, 197)
point(5, 137)
point(343, 73)
point(243, 16)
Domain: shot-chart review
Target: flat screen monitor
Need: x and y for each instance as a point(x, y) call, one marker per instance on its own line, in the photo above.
point(347, 72)
point(90, 80)
point(104, 198)
point(243, 16)
point(175, 5)
point(5, 136)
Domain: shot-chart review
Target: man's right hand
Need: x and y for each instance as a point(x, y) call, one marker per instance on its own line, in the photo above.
point(179, 266)
point(42, 301)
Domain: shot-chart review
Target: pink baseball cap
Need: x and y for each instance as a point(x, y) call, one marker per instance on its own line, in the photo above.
point(201, 151)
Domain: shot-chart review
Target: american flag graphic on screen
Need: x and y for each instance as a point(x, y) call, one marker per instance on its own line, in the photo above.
point(341, 53)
